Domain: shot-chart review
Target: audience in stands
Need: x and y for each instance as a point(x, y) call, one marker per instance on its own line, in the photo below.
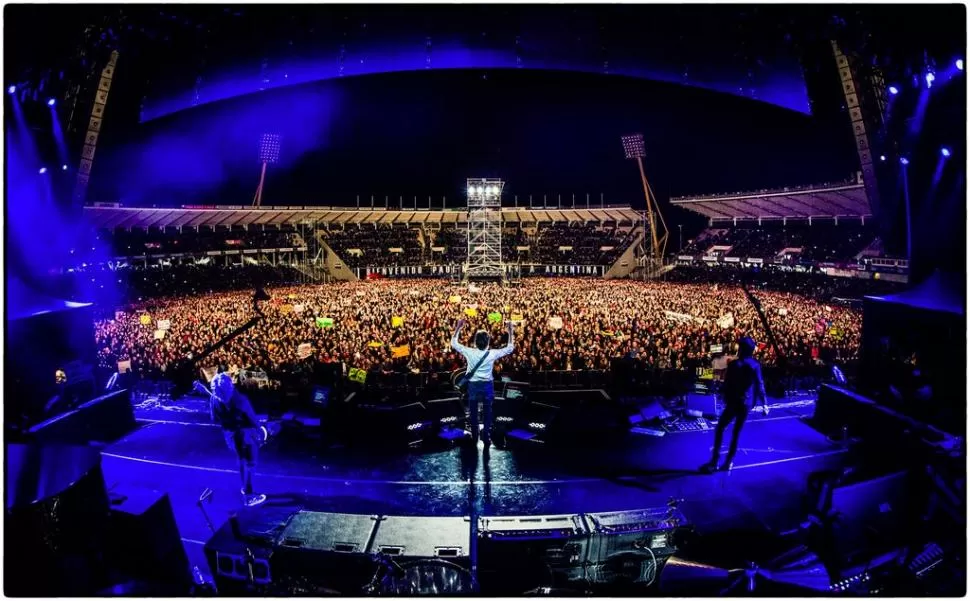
point(821, 242)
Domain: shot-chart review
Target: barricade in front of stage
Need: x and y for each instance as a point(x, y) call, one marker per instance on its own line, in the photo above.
point(271, 551)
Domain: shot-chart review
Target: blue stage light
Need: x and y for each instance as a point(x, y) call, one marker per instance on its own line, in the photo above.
point(930, 78)
point(12, 90)
point(882, 157)
point(959, 64)
point(945, 151)
point(893, 90)
point(63, 167)
point(43, 170)
point(904, 160)
point(51, 102)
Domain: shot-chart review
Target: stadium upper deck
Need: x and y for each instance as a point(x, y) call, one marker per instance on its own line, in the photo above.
point(103, 216)
point(848, 199)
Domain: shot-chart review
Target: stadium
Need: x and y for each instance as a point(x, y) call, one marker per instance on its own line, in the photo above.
point(465, 300)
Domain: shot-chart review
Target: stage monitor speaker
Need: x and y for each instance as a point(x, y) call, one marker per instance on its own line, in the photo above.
point(240, 565)
point(57, 518)
point(519, 554)
point(324, 552)
point(104, 419)
point(394, 424)
point(424, 537)
point(145, 540)
point(447, 414)
point(703, 405)
point(872, 515)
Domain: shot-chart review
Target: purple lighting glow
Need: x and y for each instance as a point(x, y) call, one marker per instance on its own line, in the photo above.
point(904, 161)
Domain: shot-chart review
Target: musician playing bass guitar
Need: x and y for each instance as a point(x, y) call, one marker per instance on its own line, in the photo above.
point(479, 378)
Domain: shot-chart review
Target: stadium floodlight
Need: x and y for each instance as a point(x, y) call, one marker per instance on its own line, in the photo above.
point(633, 146)
point(269, 148)
point(269, 152)
point(635, 149)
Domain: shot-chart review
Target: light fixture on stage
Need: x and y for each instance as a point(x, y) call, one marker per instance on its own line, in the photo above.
point(42, 170)
point(893, 90)
point(903, 161)
point(930, 78)
point(12, 90)
point(945, 152)
point(51, 102)
point(882, 157)
point(959, 64)
point(63, 167)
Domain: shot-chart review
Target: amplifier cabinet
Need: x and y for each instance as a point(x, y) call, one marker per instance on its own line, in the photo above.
point(322, 553)
point(630, 547)
point(530, 552)
point(424, 537)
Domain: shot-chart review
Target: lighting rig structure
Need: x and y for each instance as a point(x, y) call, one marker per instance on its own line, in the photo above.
point(269, 152)
point(484, 228)
point(634, 148)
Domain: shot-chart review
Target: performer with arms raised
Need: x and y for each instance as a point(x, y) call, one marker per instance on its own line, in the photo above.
point(481, 383)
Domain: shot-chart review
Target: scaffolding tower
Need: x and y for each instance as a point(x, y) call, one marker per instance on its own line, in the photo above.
point(484, 229)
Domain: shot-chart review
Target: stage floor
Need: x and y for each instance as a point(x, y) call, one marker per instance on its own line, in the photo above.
point(765, 491)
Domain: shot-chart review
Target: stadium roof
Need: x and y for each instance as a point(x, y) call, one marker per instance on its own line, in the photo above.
point(113, 217)
point(820, 201)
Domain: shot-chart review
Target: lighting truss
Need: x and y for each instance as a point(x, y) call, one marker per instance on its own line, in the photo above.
point(485, 228)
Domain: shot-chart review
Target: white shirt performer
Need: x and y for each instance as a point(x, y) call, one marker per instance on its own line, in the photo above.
point(481, 386)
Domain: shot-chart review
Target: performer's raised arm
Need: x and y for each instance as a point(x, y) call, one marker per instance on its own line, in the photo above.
point(454, 339)
point(508, 348)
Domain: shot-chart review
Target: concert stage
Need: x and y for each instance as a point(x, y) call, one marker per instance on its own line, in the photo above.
point(765, 491)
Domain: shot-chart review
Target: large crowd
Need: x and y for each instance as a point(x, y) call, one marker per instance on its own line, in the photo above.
point(566, 324)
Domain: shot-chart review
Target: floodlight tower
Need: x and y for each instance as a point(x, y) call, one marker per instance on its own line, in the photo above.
point(485, 228)
point(634, 148)
point(269, 152)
